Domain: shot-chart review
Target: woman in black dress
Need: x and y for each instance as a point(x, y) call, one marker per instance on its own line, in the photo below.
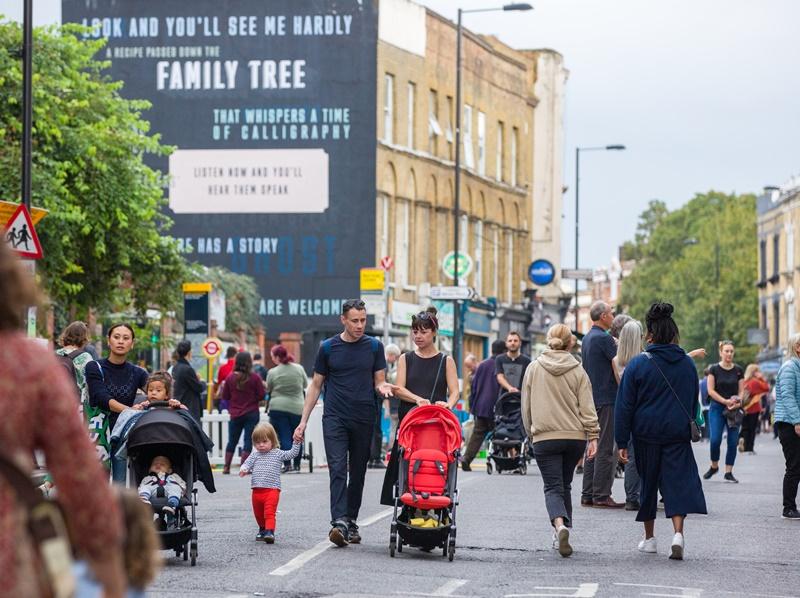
point(424, 376)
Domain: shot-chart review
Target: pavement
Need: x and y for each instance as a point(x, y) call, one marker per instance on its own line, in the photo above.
point(742, 548)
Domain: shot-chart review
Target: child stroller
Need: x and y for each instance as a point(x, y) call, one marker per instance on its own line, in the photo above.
point(425, 496)
point(173, 434)
point(508, 446)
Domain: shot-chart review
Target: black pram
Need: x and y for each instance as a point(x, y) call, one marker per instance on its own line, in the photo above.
point(508, 445)
point(175, 435)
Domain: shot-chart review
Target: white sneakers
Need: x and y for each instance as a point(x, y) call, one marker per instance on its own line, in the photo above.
point(562, 539)
point(676, 552)
point(649, 546)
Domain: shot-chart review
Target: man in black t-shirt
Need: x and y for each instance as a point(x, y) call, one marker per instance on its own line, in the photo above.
point(510, 366)
point(352, 367)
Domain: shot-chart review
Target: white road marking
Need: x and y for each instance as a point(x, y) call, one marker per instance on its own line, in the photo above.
point(684, 592)
point(449, 587)
point(584, 590)
point(316, 550)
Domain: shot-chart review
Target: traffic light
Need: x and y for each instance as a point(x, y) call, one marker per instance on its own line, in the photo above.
point(155, 336)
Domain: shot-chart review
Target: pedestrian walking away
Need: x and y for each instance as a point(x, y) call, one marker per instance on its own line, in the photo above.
point(286, 385)
point(656, 405)
point(597, 352)
point(425, 376)
point(243, 391)
point(352, 366)
point(33, 389)
point(258, 365)
point(629, 346)
point(787, 424)
point(188, 387)
point(224, 371)
point(113, 383)
point(755, 387)
point(264, 466)
point(483, 396)
point(725, 387)
point(559, 417)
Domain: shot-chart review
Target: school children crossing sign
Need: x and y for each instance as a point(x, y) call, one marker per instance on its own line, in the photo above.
point(20, 235)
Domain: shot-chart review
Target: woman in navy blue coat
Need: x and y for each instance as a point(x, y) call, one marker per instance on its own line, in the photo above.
point(658, 420)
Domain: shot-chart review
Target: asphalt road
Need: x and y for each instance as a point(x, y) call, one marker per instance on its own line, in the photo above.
point(742, 548)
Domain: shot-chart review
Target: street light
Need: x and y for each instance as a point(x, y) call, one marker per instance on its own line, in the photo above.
point(516, 6)
point(578, 150)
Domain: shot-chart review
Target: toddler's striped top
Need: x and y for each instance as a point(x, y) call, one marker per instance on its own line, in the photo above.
point(266, 467)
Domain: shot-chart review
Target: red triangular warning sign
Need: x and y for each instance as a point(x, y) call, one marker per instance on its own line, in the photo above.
point(20, 235)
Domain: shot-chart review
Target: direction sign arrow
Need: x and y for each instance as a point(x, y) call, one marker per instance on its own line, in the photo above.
point(584, 274)
point(452, 293)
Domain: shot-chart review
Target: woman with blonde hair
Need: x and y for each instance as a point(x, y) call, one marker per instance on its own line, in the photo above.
point(559, 416)
point(755, 387)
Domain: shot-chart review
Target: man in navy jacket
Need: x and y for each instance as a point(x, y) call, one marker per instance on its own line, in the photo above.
point(597, 353)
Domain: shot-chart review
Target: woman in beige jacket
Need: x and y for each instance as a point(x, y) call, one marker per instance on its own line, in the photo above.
point(559, 415)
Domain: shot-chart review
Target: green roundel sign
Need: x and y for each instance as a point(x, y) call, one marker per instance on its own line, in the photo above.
point(464, 265)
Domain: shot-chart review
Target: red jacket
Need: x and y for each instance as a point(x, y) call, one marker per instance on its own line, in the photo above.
point(756, 387)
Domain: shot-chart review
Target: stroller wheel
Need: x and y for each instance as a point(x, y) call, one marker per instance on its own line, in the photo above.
point(451, 551)
point(310, 457)
point(489, 467)
point(392, 544)
point(186, 552)
point(523, 469)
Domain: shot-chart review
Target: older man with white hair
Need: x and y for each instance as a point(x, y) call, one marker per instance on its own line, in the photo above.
point(597, 353)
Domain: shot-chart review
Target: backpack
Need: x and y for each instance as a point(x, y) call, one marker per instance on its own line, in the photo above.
point(68, 363)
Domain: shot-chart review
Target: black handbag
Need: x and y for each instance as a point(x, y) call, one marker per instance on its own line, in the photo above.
point(694, 429)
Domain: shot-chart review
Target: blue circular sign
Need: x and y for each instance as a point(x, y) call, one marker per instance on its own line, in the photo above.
point(542, 272)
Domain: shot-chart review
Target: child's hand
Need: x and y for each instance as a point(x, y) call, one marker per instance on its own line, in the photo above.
point(243, 472)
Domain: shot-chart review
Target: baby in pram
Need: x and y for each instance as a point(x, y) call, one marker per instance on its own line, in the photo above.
point(162, 476)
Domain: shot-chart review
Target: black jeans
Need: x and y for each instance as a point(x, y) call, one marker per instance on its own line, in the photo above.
point(245, 423)
point(557, 460)
point(377, 431)
point(598, 473)
point(347, 446)
point(790, 442)
point(481, 427)
point(749, 428)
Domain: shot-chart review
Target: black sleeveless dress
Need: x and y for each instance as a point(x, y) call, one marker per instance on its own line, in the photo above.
point(426, 377)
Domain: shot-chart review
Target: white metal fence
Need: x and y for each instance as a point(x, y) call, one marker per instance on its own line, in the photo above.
point(216, 426)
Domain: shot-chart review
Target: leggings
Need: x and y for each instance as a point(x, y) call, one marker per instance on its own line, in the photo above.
point(718, 424)
point(265, 504)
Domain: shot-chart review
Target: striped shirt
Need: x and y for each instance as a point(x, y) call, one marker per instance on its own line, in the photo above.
point(266, 467)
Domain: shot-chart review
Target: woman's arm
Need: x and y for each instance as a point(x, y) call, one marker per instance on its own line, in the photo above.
point(525, 395)
point(452, 383)
point(400, 390)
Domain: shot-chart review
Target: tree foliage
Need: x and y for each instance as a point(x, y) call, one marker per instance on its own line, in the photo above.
point(676, 256)
point(104, 239)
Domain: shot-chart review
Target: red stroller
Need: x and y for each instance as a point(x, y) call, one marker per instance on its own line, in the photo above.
point(425, 496)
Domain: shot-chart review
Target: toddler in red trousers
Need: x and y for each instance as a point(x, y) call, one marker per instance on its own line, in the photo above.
point(264, 465)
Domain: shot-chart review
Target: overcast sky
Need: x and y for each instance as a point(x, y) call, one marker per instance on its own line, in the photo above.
point(704, 93)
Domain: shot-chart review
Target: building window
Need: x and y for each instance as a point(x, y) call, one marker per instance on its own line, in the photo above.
point(764, 323)
point(496, 261)
point(401, 243)
point(448, 132)
point(499, 157)
point(383, 218)
point(510, 266)
point(477, 255)
point(776, 321)
point(763, 256)
point(388, 108)
point(422, 239)
point(776, 256)
point(513, 158)
point(789, 247)
point(434, 129)
point(481, 144)
point(790, 321)
point(443, 238)
point(466, 129)
point(412, 98)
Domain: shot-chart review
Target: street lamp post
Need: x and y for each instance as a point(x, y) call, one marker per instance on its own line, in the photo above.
point(27, 100)
point(578, 151)
point(516, 6)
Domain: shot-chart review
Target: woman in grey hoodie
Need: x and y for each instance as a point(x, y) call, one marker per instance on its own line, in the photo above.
point(559, 416)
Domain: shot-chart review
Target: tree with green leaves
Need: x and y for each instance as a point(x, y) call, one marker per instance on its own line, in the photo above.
point(702, 258)
point(242, 297)
point(104, 239)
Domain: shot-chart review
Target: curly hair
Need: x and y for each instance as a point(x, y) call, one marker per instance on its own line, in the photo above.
point(74, 335)
point(141, 550)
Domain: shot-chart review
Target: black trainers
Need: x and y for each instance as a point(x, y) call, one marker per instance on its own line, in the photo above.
point(730, 479)
point(352, 533)
point(269, 536)
point(338, 534)
point(465, 466)
point(260, 535)
point(632, 505)
point(792, 514)
point(712, 471)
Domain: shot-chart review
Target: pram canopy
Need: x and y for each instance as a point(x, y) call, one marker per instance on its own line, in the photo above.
point(170, 433)
point(507, 404)
point(430, 427)
point(508, 426)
